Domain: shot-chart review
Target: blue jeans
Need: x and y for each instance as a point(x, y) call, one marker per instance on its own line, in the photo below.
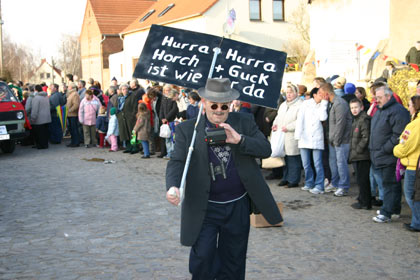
point(340, 176)
point(375, 178)
point(392, 192)
point(310, 181)
point(169, 146)
point(409, 178)
point(292, 169)
point(145, 145)
point(74, 130)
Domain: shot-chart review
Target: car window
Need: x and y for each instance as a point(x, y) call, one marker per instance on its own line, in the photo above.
point(6, 94)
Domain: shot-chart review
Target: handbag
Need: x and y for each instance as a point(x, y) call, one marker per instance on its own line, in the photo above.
point(399, 171)
point(272, 162)
point(165, 131)
point(277, 144)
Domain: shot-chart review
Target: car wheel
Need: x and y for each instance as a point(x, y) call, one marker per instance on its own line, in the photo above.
point(8, 146)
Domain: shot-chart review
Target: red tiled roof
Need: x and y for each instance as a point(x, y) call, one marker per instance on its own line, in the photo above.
point(113, 16)
point(181, 10)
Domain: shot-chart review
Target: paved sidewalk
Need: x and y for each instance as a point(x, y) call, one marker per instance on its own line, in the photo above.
point(63, 217)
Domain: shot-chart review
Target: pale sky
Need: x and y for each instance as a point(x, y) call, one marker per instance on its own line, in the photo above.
point(40, 23)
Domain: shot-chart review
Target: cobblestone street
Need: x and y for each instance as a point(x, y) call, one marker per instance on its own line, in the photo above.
point(64, 217)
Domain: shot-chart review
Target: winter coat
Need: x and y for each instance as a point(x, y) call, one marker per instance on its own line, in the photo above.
point(56, 99)
point(40, 113)
point(386, 127)
point(192, 111)
point(28, 105)
point(287, 116)
point(168, 109)
point(413, 56)
point(127, 116)
point(308, 130)
point(102, 123)
point(89, 110)
point(73, 102)
point(360, 130)
point(339, 122)
point(408, 149)
point(113, 126)
point(142, 127)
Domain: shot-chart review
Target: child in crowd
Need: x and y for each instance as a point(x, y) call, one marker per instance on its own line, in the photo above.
point(88, 111)
point(359, 153)
point(113, 132)
point(143, 128)
point(102, 125)
point(193, 108)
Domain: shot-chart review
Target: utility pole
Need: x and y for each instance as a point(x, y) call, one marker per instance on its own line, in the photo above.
point(1, 43)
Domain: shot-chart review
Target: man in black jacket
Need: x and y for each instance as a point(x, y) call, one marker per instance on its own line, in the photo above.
point(221, 180)
point(386, 127)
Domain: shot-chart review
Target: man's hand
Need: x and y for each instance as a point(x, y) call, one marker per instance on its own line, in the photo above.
point(172, 195)
point(284, 129)
point(232, 136)
point(274, 128)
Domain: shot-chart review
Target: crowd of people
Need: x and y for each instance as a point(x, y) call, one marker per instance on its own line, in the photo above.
point(334, 129)
point(328, 131)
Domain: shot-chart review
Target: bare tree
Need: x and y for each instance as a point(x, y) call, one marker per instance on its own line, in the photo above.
point(298, 48)
point(69, 59)
point(19, 61)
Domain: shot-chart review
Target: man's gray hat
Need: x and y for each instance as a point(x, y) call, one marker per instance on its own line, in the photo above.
point(219, 90)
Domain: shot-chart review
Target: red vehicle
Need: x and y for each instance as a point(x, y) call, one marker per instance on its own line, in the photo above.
point(13, 119)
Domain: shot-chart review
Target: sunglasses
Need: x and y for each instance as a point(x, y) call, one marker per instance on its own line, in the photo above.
point(214, 106)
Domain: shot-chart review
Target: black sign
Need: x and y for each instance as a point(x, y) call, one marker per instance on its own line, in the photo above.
point(184, 58)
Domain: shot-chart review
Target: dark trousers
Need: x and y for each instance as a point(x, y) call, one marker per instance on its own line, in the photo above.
point(41, 135)
point(56, 133)
point(326, 163)
point(392, 192)
point(362, 177)
point(293, 169)
point(74, 130)
point(220, 249)
point(162, 146)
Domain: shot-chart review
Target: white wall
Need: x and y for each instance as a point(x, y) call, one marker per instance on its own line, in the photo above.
point(265, 33)
point(336, 27)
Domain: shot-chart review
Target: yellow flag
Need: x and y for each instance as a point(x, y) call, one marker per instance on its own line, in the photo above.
point(297, 66)
point(367, 51)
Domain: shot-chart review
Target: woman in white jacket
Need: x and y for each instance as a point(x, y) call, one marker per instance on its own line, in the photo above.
point(286, 122)
point(310, 136)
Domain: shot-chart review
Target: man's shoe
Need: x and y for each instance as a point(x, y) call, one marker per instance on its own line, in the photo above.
point(282, 183)
point(160, 156)
point(316, 191)
point(306, 188)
point(377, 202)
point(410, 228)
point(271, 177)
point(381, 219)
point(357, 205)
point(145, 156)
point(74, 145)
point(294, 185)
point(326, 183)
point(126, 151)
point(134, 152)
point(87, 146)
point(393, 216)
point(330, 188)
point(341, 192)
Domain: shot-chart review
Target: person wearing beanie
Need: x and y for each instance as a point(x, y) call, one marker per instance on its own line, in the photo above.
point(349, 90)
point(113, 132)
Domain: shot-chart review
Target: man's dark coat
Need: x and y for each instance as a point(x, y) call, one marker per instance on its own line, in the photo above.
point(197, 187)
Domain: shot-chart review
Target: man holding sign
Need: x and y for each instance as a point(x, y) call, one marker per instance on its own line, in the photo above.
point(222, 179)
